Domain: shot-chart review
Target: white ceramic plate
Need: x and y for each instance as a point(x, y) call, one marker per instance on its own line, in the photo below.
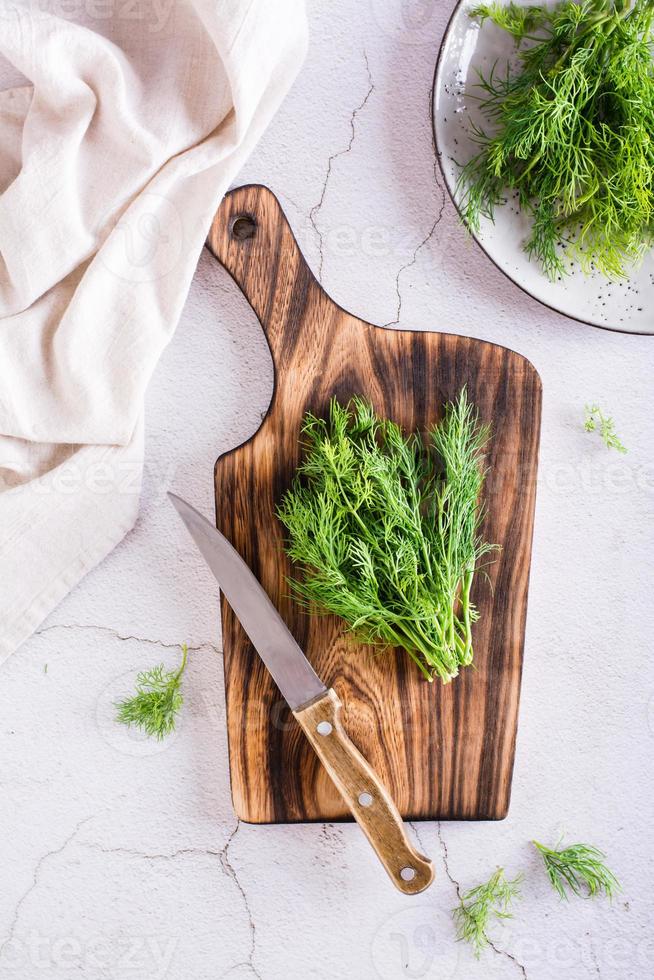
point(466, 47)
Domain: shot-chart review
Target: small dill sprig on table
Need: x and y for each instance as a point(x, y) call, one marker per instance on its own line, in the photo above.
point(594, 418)
point(579, 868)
point(571, 132)
point(491, 900)
point(158, 699)
point(385, 527)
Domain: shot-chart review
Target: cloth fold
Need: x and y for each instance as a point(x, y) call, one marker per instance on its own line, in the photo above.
point(113, 161)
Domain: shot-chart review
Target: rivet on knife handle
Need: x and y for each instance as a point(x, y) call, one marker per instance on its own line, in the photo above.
point(369, 801)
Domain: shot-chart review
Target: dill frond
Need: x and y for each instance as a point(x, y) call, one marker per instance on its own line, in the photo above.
point(517, 20)
point(571, 133)
point(480, 905)
point(594, 418)
point(158, 699)
point(579, 868)
point(385, 527)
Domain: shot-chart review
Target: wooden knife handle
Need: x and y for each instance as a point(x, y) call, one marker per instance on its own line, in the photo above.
point(370, 803)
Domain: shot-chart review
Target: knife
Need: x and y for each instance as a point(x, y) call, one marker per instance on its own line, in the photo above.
point(315, 707)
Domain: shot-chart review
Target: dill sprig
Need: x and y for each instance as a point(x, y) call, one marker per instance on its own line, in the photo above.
point(480, 905)
point(579, 868)
point(571, 132)
point(158, 699)
point(594, 418)
point(386, 529)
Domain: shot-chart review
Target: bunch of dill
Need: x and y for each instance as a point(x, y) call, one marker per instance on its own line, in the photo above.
point(386, 528)
point(572, 132)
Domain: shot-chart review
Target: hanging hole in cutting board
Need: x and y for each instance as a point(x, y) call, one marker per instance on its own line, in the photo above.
point(243, 227)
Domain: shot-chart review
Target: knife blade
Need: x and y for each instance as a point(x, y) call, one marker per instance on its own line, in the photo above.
point(315, 707)
point(270, 636)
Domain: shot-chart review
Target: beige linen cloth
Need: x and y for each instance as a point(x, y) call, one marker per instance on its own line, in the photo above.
point(113, 160)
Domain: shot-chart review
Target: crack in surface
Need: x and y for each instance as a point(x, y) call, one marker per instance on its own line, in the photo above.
point(225, 864)
point(146, 856)
point(413, 259)
point(418, 837)
point(446, 860)
point(230, 871)
point(35, 879)
point(446, 864)
point(340, 153)
point(123, 636)
point(510, 956)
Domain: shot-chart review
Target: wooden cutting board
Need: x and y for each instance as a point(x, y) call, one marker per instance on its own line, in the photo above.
point(442, 751)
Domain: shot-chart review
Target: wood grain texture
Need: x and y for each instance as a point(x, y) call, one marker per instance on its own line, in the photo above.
point(443, 752)
point(373, 809)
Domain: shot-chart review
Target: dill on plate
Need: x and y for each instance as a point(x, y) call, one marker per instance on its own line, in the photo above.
point(386, 528)
point(570, 132)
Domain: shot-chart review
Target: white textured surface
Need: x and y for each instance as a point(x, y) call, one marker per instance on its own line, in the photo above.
point(122, 859)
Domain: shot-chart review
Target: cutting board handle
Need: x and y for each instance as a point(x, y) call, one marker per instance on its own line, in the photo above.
point(251, 237)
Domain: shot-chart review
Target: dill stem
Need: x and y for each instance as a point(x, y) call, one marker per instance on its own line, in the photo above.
point(532, 163)
point(416, 659)
point(400, 643)
point(425, 646)
point(416, 511)
point(465, 611)
point(183, 663)
point(450, 625)
point(428, 647)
